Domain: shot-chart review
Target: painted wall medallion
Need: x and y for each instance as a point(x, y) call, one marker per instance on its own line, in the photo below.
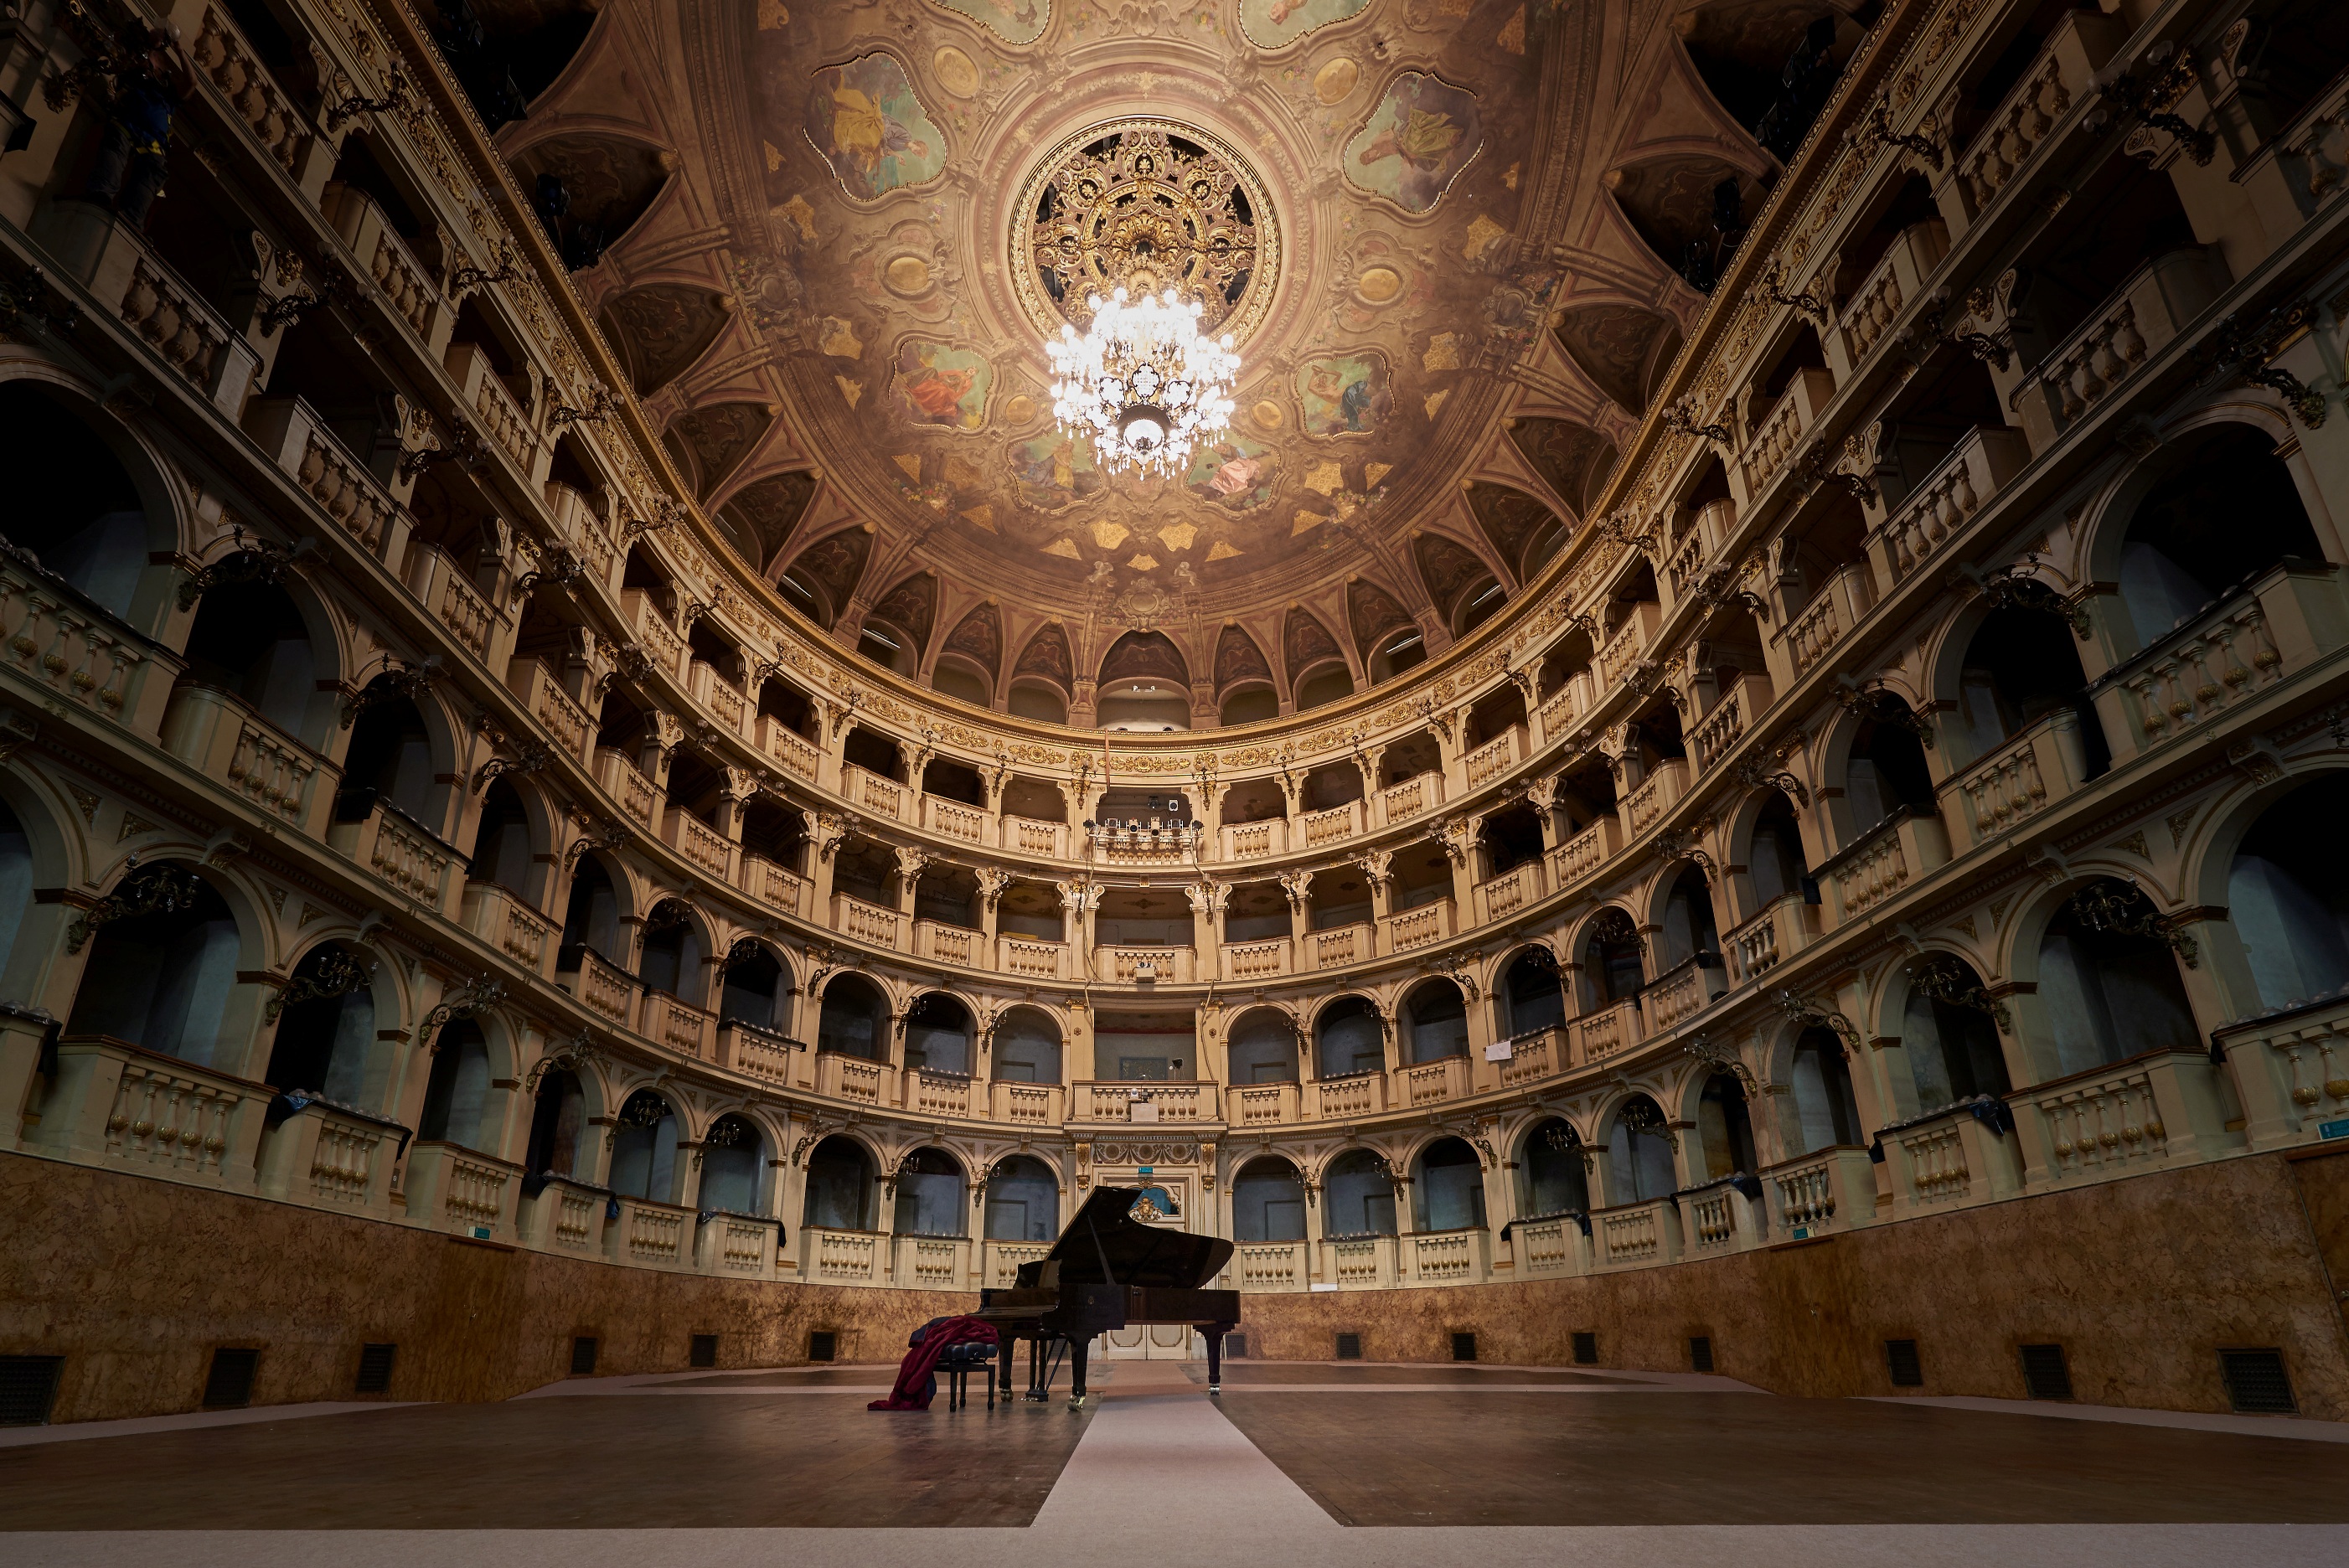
point(866, 122)
point(1013, 21)
point(939, 384)
point(1052, 472)
point(1234, 474)
point(1344, 395)
point(1423, 133)
point(1277, 23)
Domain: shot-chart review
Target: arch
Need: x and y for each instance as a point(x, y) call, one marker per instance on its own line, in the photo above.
point(854, 1019)
point(1773, 856)
point(1532, 992)
point(2287, 890)
point(32, 854)
point(1725, 1128)
point(669, 958)
point(841, 1181)
point(1613, 959)
point(1639, 1143)
point(930, 1194)
point(1447, 1188)
point(558, 1125)
point(2109, 987)
point(1262, 1048)
point(1878, 761)
point(2209, 514)
point(938, 1034)
point(755, 985)
point(1615, 346)
point(1306, 648)
point(760, 518)
point(643, 1148)
point(1573, 457)
point(1434, 1021)
point(1349, 1038)
point(395, 758)
point(1557, 1171)
point(822, 577)
point(251, 641)
point(1358, 1195)
point(162, 979)
point(1238, 661)
point(1947, 1033)
point(661, 329)
point(326, 1042)
point(1045, 656)
point(1268, 1201)
point(1825, 1113)
point(1684, 918)
point(85, 499)
point(507, 836)
point(733, 1167)
point(1023, 1200)
point(457, 1106)
point(2022, 666)
point(592, 913)
point(1027, 1046)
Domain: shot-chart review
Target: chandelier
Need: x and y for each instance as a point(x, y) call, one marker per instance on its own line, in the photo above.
point(1141, 382)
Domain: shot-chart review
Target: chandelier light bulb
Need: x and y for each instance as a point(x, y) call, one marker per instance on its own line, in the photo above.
point(1141, 383)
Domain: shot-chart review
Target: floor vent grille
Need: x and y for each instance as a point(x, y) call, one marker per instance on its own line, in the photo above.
point(703, 1351)
point(28, 1388)
point(1699, 1352)
point(1463, 1347)
point(2256, 1382)
point(228, 1385)
point(1586, 1350)
point(583, 1356)
point(1350, 1347)
point(374, 1369)
point(2044, 1375)
point(1901, 1360)
point(823, 1345)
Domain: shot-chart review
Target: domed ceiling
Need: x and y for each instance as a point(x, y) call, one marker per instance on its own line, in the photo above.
point(1452, 240)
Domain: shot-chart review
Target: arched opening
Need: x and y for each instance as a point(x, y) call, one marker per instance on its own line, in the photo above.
point(1268, 1201)
point(775, 834)
point(1614, 961)
point(1403, 649)
point(1689, 931)
point(929, 1195)
point(591, 918)
point(889, 647)
point(1023, 1200)
point(1509, 838)
point(755, 988)
point(1949, 1033)
point(2288, 894)
point(873, 753)
point(248, 640)
point(855, 1020)
point(1640, 1163)
point(1887, 771)
point(1558, 1179)
point(1725, 1128)
point(840, 1184)
point(2225, 512)
point(1773, 856)
point(1826, 1115)
point(501, 841)
point(644, 1148)
point(160, 980)
point(390, 762)
point(670, 959)
point(1435, 1021)
point(16, 881)
point(1358, 1190)
point(1478, 603)
point(325, 1031)
point(2108, 980)
point(71, 504)
point(1264, 1049)
point(456, 1090)
point(1493, 716)
point(1449, 1191)
point(558, 1125)
point(1323, 686)
point(938, 1034)
point(1250, 704)
point(2024, 666)
point(733, 1167)
point(1027, 1047)
point(1037, 700)
point(1349, 1038)
point(1532, 992)
point(948, 678)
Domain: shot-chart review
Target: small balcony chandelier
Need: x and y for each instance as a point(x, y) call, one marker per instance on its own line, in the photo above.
point(1141, 382)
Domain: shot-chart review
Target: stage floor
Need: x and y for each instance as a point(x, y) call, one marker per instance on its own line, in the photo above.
point(1299, 1464)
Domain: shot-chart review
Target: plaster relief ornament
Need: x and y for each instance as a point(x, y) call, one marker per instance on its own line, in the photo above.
point(1423, 133)
point(1277, 23)
point(864, 120)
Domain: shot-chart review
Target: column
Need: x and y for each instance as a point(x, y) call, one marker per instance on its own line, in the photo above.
point(909, 875)
point(1298, 885)
point(825, 832)
point(992, 881)
point(1376, 866)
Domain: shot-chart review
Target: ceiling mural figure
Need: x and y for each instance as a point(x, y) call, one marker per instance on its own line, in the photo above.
point(1016, 22)
point(866, 122)
point(1277, 23)
point(1423, 133)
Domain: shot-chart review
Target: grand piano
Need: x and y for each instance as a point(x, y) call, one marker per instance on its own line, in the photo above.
point(1110, 1271)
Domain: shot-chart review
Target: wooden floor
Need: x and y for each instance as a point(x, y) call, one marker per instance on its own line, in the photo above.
point(1622, 1458)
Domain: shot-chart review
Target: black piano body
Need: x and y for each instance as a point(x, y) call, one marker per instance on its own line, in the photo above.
point(1110, 1271)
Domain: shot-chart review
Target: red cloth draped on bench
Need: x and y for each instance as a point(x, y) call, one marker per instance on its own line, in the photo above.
point(913, 1391)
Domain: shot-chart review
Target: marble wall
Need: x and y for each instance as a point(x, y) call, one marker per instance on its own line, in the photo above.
point(2142, 1281)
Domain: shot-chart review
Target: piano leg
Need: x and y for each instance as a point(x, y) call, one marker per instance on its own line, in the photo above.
point(1215, 1332)
point(1076, 1349)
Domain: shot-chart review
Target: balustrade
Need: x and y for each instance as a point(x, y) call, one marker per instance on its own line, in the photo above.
point(1494, 757)
point(1416, 927)
point(2019, 126)
point(2291, 1070)
point(1551, 1246)
point(1357, 1094)
point(114, 1104)
point(1838, 606)
point(503, 920)
point(451, 1188)
point(1429, 1083)
point(564, 721)
point(1897, 281)
point(1256, 960)
point(953, 944)
point(1003, 1260)
point(634, 793)
point(1027, 1104)
point(291, 432)
point(778, 740)
point(651, 1234)
point(1607, 1032)
point(403, 283)
point(1638, 1234)
point(868, 922)
point(1945, 501)
point(2034, 770)
point(562, 1216)
point(841, 1257)
point(440, 585)
point(1360, 1263)
point(2140, 319)
point(756, 1051)
point(1102, 1100)
point(217, 734)
point(502, 416)
point(1420, 792)
point(407, 857)
point(331, 1157)
point(1271, 1266)
point(1030, 959)
point(1254, 840)
point(857, 1078)
point(2217, 661)
point(645, 620)
point(1785, 925)
point(1263, 1103)
point(1449, 1257)
point(678, 1026)
point(2155, 1111)
point(1531, 1057)
point(1646, 806)
point(1025, 836)
point(954, 820)
point(869, 791)
point(1519, 887)
point(1951, 1158)
point(1144, 965)
point(1329, 826)
point(770, 884)
point(1682, 991)
point(73, 653)
point(1826, 1189)
point(1782, 430)
point(186, 333)
point(1589, 851)
point(699, 843)
point(1337, 946)
point(738, 1245)
point(598, 984)
point(929, 1262)
point(715, 696)
point(934, 1093)
point(223, 58)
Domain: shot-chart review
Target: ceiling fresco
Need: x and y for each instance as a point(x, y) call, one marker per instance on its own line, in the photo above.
point(1446, 236)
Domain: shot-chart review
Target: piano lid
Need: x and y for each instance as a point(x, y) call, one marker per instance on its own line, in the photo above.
point(1104, 1232)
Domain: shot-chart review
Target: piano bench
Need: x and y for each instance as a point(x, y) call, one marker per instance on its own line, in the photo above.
point(956, 1366)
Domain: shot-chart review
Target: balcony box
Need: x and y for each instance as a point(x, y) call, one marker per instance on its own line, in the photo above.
point(873, 924)
point(944, 943)
point(1253, 841)
point(1156, 964)
point(1787, 925)
point(1263, 1266)
point(1718, 1218)
point(2152, 1112)
point(1414, 927)
point(329, 1157)
point(1401, 803)
point(929, 1262)
point(841, 1257)
point(217, 734)
point(1337, 946)
point(761, 1053)
point(558, 1214)
point(1022, 1104)
point(1511, 892)
point(957, 820)
point(1030, 958)
point(1358, 1262)
point(650, 1235)
point(1258, 960)
point(1883, 861)
point(1550, 1246)
point(115, 1104)
point(461, 1190)
point(1144, 1102)
point(1263, 1103)
point(703, 846)
point(1821, 1192)
point(1039, 841)
point(737, 1246)
point(1449, 1257)
point(858, 1079)
point(1354, 1095)
point(677, 1025)
point(2019, 781)
point(1637, 1235)
point(409, 858)
point(537, 683)
point(597, 983)
point(1950, 1159)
